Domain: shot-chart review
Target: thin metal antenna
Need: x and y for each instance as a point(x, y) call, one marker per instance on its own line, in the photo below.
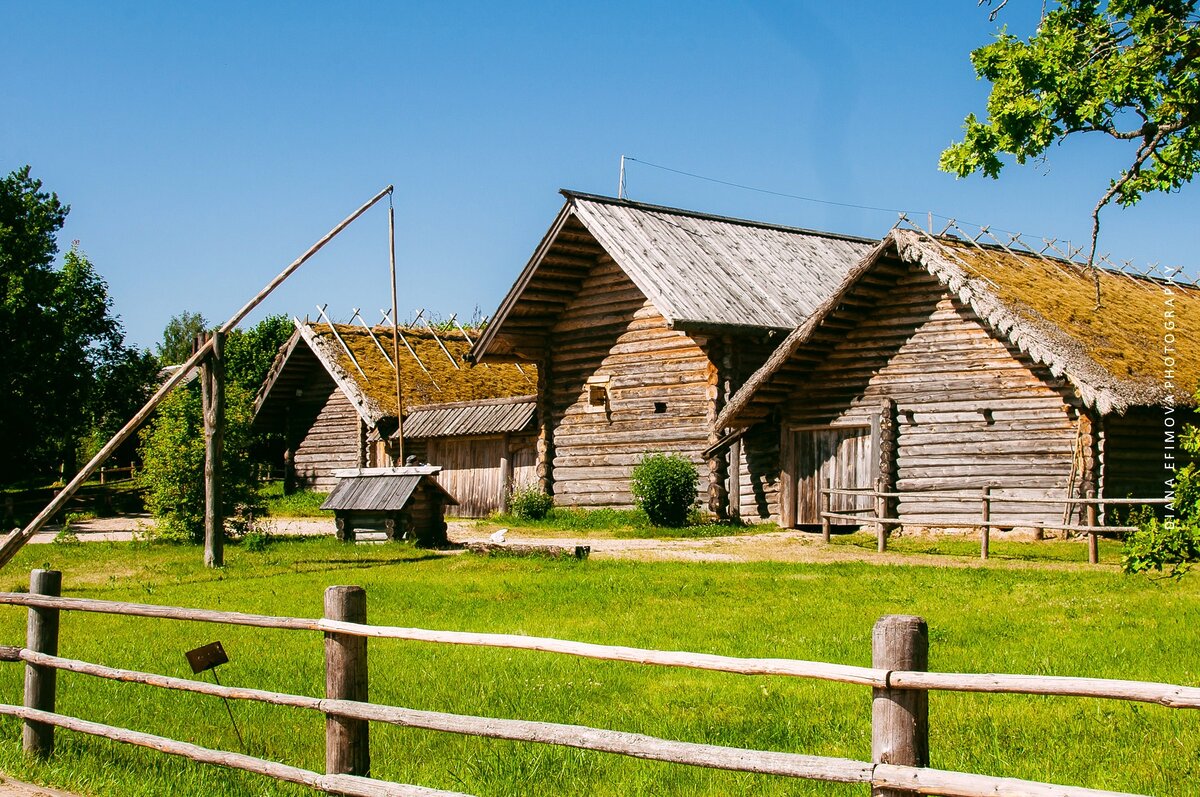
point(621, 182)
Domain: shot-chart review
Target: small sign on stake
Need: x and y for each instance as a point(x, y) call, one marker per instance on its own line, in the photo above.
point(209, 657)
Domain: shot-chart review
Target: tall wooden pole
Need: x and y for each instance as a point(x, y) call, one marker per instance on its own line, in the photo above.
point(212, 384)
point(17, 539)
point(899, 717)
point(396, 336)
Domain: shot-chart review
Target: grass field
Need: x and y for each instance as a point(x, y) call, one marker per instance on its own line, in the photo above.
point(1066, 620)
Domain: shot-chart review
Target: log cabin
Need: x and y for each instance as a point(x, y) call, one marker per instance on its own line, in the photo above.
point(641, 320)
point(329, 403)
point(941, 367)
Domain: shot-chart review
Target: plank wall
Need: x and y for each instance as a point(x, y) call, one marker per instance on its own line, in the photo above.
point(472, 470)
point(970, 410)
point(609, 329)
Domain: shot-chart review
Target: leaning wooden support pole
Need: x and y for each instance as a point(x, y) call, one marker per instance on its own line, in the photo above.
point(17, 539)
point(41, 634)
point(899, 717)
point(347, 741)
point(212, 383)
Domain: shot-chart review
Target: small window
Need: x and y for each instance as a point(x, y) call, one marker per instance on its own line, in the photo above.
point(660, 407)
point(597, 396)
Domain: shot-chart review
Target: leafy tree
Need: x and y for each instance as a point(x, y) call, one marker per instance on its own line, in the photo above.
point(178, 336)
point(1126, 69)
point(60, 337)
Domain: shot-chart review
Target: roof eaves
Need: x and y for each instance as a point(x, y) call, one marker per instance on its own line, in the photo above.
point(481, 345)
point(364, 405)
point(798, 337)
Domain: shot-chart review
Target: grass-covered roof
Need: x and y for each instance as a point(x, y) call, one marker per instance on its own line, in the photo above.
point(427, 375)
point(1124, 335)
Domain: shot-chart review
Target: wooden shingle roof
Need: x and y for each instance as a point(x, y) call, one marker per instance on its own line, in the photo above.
point(487, 416)
point(699, 271)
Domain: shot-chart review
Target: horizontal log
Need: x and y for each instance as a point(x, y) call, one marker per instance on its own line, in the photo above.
point(332, 784)
point(161, 612)
point(922, 780)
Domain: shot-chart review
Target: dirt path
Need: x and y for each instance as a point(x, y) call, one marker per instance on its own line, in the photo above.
point(15, 788)
point(775, 546)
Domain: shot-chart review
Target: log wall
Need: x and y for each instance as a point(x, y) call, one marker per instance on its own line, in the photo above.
point(1134, 447)
point(324, 429)
point(609, 329)
point(969, 410)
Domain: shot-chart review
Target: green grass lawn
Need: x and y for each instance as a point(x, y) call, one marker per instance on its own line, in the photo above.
point(1065, 621)
point(618, 524)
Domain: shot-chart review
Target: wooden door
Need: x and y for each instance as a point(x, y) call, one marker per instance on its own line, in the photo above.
point(833, 456)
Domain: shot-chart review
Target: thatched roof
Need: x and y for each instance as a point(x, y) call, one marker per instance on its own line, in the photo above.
point(1112, 354)
point(429, 374)
point(698, 270)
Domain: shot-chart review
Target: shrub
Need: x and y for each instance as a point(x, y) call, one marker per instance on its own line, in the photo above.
point(173, 463)
point(1172, 545)
point(664, 487)
point(530, 503)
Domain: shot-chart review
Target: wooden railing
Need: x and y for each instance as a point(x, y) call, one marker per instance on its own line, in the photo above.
point(878, 518)
point(898, 678)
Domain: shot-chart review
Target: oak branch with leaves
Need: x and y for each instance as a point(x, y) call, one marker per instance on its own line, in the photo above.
point(1125, 69)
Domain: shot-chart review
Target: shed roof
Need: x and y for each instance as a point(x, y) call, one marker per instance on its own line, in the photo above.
point(429, 374)
point(698, 270)
point(488, 416)
point(1111, 354)
point(385, 493)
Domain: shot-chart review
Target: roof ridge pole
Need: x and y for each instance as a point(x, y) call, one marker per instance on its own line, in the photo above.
point(396, 335)
point(387, 357)
point(441, 345)
point(408, 346)
point(345, 348)
point(470, 343)
point(17, 539)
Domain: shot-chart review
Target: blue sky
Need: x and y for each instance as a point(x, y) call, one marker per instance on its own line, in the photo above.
point(203, 146)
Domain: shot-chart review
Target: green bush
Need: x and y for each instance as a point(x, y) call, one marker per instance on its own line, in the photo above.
point(1171, 545)
point(530, 503)
point(664, 487)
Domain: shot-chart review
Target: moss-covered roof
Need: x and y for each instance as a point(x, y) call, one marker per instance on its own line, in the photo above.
point(437, 383)
point(1124, 335)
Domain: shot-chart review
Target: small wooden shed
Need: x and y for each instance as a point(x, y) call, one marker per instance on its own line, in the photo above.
point(402, 503)
point(944, 366)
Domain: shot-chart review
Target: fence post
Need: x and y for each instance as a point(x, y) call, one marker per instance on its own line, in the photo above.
point(986, 515)
point(899, 717)
point(41, 635)
point(826, 504)
point(347, 743)
point(1093, 538)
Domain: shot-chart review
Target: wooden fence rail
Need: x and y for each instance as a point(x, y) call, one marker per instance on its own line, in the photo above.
point(877, 514)
point(899, 682)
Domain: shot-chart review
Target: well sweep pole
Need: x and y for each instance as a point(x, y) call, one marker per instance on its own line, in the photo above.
point(17, 538)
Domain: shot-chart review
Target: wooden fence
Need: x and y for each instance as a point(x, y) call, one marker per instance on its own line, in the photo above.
point(898, 678)
point(883, 524)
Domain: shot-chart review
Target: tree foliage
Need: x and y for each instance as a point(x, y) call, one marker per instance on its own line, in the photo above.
point(62, 344)
point(178, 336)
point(1126, 69)
point(173, 443)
